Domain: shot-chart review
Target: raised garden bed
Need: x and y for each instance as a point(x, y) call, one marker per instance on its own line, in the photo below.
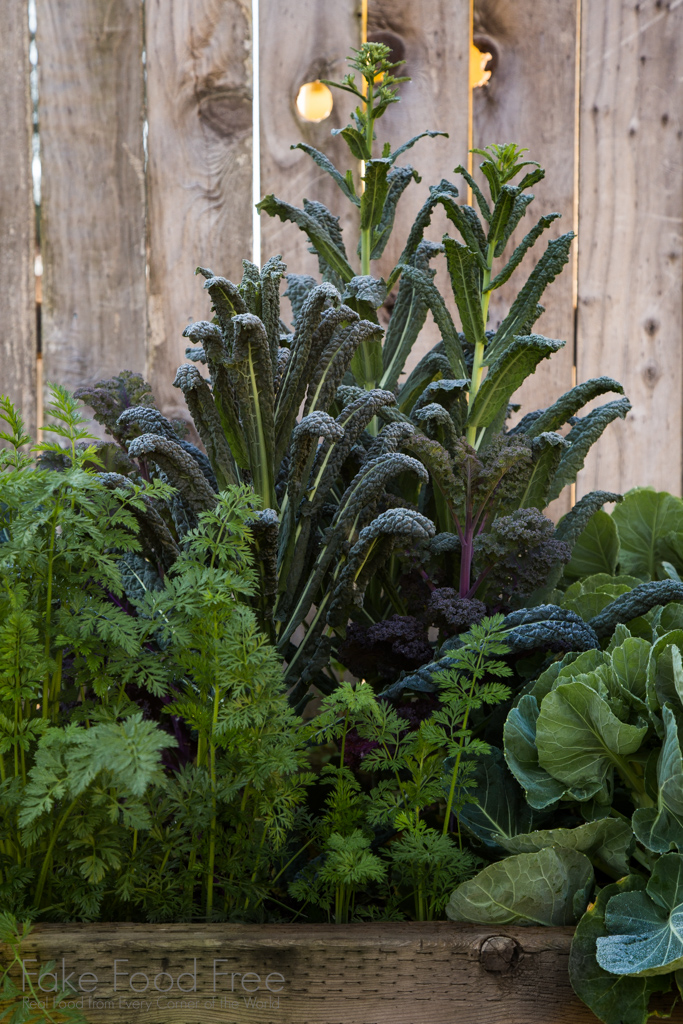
point(390, 973)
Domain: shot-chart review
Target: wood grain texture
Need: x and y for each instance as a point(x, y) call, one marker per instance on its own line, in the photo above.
point(302, 41)
point(17, 220)
point(92, 213)
point(395, 973)
point(432, 36)
point(630, 321)
point(199, 82)
point(530, 100)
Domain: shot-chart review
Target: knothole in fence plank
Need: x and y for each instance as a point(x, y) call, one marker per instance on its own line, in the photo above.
point(303, 41)
point(630, 283)
point(93, 192)
point(17, 217)
point(199, 84)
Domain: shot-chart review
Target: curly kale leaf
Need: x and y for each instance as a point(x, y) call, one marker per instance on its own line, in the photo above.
point(517, 554)
point(109, 398)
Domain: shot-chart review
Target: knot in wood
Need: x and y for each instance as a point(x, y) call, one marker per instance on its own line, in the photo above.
point(498, 953)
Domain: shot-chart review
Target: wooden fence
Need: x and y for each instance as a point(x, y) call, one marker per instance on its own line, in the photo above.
point(594, 88)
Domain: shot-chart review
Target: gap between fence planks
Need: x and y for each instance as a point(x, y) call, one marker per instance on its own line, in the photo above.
point(199, 83)
point(530, 100)
point(17, 217)
point(630, 321)
point(384, 973)
point(92, 205)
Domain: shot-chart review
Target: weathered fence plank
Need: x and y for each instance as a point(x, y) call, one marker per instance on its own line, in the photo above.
point(302, 41)
point(17, 219)
point(92, 211)
point(530, 100)
point(199, 82)
point(630, 234)
point(433, 38)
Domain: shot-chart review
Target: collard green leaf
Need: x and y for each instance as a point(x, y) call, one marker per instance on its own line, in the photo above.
point(606, 841)
point(465, 275)
point(660, 828)
point(495, 808)
point(637, 602)
point(597, 549)
point(645, 929)
point(644, 519)
point(550, 887)
point(582, 437)
point(326, 164)
point(580, 741)
point(614, 1000)
point(508, 372)
point(524, 306)
point(520, 251)
point(542, 790)
point(567, 405)
point(319, 237)
point(375, 192)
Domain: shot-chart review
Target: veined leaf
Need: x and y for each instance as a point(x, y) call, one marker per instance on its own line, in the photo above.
point(253, 383)
point(226, 302)
point(477, 192)
point(637, 602)
point(550, 887)
point(211, 340)
point(645, 928)
point(501, 215)
point(569, 404)
point(465, 274)
point(335, 360)
point(407, 320)
point(355, 140)
point(523, 308)
point(614, 1000)
point(546, 450)
point(518, 210)
point(508, 372)
point(521, 251)
point(433, 366)
point(597, 549)
point(542, 790)
point(574, 522)
point(376, 189)
point(644, 519)
point(608, 840)
point(582, 436)
point(430, 294)
point(270, 277)
point(411, 142)
point(326, 164)
point(495, 808)
point(424, 216)
point(580, 740)
point(318, 236)
point(660, 828)
point(398, 180)
point(208, 422)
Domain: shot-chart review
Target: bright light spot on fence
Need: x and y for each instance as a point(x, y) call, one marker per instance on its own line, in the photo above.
point(478, 74)
point(314, 101)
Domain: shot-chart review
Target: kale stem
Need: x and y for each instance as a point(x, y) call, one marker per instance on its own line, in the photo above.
point(478, 363)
